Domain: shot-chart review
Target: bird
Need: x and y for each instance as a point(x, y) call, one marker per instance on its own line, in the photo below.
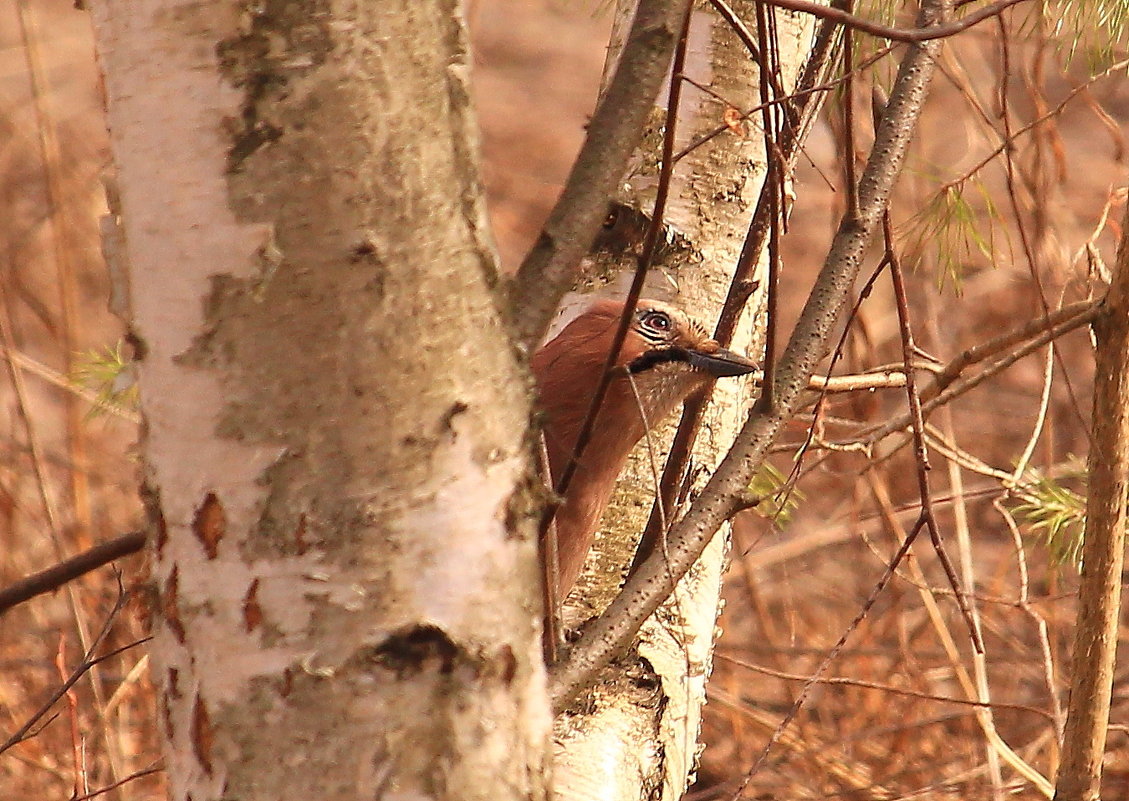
point(666, 356)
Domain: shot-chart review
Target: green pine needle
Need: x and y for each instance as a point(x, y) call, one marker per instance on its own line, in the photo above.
point(1056, 517)
point(108, 373)
point(1095, 27)
point(954, 231)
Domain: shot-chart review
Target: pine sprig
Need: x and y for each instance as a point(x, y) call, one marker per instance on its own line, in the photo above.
point(1056, 516)
point(954, 231)
point(108, 373)
point(1097, 27)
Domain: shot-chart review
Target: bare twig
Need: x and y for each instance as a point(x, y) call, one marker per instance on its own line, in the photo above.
point(986, 715)
point(836, 354)
point(46, 494)
point(774, 180)
point(80, 776)
point(69, 569)
point(89, 661)
point(857, 382)
point(1037, 617)
point(1017, 214)
point(548, 546)
point(149, 771)
point(1035, 123)
point(922, 34)
point(928, 519)
point(825, 757)
point(850, 180)
point(830, 656)
point(755, 50)
point(843, 681)
point(997, 743)
point(822, 88)
point(1052, 322)
point(945, 387)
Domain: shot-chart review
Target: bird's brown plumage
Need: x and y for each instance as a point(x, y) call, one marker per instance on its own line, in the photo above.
point(672, 356)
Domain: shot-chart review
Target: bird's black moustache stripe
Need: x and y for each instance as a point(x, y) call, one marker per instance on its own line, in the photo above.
point(655, 357)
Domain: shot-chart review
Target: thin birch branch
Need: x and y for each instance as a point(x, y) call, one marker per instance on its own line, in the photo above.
point(139, 774)
point(88, 662)
point(921, 453)
point(846, 681)
point(549, 269)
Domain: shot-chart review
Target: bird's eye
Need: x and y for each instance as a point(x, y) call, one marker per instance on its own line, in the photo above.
point(657, 321)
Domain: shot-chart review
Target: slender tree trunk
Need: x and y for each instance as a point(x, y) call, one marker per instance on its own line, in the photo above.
point(335, 459)
point(637, 736)
point(1103, 554)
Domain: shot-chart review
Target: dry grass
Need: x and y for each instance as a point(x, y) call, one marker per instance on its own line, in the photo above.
point(899, 723)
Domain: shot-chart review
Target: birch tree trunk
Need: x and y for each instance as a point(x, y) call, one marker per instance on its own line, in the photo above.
point(635, 735)
point(335, 460)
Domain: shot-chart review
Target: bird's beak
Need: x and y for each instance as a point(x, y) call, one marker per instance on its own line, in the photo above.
point(719, 362)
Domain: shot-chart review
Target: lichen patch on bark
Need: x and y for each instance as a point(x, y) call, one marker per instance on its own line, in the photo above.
point(279, 39)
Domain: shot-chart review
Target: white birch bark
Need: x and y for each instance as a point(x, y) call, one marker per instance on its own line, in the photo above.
point(636, 736)
point(335, 463)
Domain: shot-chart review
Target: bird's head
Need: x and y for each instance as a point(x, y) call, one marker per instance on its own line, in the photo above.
point(666, 356)
point(665, 335)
